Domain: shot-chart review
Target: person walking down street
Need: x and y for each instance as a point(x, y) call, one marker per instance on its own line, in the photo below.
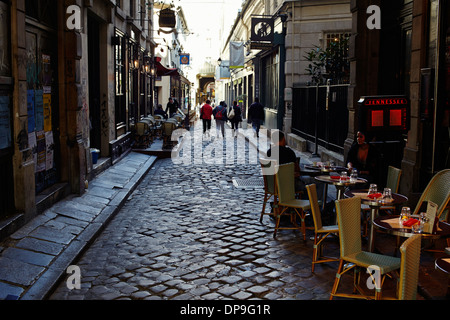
point(205, 115)
point(171, 107)
point(235, 117)
point(256, 115)
point(220, 114)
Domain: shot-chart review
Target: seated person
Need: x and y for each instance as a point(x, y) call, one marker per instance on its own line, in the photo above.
point(159, 110)
point(283, 154)
point(363, 157)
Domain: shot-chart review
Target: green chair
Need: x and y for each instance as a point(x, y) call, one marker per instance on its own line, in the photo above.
point(285, 182)
point(320, 232)
point(393, 178)
point(351, 254)
point(437, 191)
point(409, 268)
point(270, 189)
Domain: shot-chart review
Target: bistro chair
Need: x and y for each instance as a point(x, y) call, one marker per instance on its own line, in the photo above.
point(287, 200)
point(268, 167)
point(320, 232)
point(142, 134)
point(437, 191)
point(167, 129)
point(393, 178)
point(409, 268)
point(351, 254)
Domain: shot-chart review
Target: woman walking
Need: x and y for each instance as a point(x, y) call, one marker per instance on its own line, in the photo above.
point(235, 116)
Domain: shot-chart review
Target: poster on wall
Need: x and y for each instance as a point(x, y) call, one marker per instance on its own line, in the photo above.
point(39, 110)
point(33, 147)
point(47, 106)
point(49, 150)
point(5, 123)
point(30, 111)
point(41, 151)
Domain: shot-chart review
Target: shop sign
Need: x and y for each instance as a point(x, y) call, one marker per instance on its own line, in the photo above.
point(184, 58)
point(167, 18)
point(385, 113)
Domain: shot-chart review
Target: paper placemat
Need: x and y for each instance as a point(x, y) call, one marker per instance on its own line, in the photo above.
point(395, 224)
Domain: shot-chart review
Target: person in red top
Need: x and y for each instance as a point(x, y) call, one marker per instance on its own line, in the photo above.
point(205, 115)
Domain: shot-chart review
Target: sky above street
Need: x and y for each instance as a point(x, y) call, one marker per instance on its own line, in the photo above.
point(205, 20)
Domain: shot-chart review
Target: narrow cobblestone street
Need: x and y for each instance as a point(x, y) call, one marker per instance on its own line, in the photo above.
point(188, 233)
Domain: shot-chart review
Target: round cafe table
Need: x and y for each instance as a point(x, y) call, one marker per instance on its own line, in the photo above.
point(375, 205)
point(391, 225)
point(340, 185)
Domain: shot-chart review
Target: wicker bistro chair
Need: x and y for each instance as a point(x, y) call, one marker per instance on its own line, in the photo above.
point(287, 200)
point(351, 255)
point(268, 167)
point(320, 232)
point(437, 191)
point(167, 129)
point(409, 268)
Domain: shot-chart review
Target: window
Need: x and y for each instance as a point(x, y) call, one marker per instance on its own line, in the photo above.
point(335, 37)
point(271, 67)
point(142, 12)
point(119, 61)
point(5, 55)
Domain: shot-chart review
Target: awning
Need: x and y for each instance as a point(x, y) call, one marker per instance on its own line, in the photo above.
point(163, 71)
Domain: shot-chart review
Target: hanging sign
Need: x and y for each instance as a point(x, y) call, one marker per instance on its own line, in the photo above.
point(262, 32)
point(167, 18)
point(184, 58)
point(262, 29)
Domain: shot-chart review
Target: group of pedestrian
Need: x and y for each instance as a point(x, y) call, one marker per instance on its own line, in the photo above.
point(221, 114)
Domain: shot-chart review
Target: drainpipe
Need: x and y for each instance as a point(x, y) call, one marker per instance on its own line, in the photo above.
point(436, 82)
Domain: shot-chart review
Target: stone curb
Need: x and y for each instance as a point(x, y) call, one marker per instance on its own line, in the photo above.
point(44, 284)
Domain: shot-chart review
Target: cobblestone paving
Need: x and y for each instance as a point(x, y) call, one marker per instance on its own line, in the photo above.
point(188, 233)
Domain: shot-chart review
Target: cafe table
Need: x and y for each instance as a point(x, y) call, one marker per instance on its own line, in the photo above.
point(375, 204)
point(443, 264)
point(338, 183)
point(391, 225)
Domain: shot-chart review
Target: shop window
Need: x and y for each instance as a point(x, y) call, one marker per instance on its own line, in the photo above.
point(119, 59)
point(43, 11)
point(271, 80)
point(5, 53)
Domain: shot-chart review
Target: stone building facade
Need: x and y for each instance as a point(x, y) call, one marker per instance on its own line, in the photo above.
point(74, 76)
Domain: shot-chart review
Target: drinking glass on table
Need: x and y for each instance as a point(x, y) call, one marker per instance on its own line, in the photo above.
point(387, 194)
point(354, 175)
point(373, 188)
point(343, 176)
point(405, 214)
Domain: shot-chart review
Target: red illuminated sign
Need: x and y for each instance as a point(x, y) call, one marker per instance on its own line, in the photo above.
point(385, 102)
point(385, 113)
